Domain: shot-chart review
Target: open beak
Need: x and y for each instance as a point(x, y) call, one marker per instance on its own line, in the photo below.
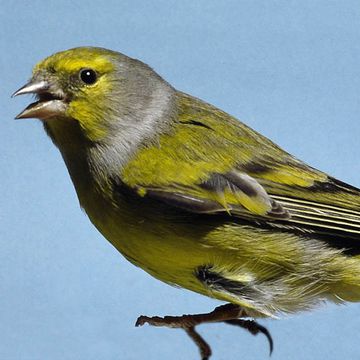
point(51, 101)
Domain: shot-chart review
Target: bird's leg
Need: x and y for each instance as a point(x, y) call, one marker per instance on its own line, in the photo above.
point(254, 328)
point(222, 313)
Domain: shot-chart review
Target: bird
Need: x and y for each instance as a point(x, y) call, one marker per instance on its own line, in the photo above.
point(195, 197)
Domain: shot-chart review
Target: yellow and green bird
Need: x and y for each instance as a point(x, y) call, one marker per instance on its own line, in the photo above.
point(195, 197)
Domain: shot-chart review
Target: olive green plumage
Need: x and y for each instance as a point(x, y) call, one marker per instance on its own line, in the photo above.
point(192, 195)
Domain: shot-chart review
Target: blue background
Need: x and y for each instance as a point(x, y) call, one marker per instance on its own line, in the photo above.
point(289, 69)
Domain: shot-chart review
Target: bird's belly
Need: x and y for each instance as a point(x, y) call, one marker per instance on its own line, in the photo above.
point(169, 252)
point(263, 270)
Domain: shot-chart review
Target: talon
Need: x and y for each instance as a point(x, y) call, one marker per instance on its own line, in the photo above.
point(141, 320)
point(254, 328)
point(266, 332)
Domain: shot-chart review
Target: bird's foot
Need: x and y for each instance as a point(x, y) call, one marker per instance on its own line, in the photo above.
point(228, 313)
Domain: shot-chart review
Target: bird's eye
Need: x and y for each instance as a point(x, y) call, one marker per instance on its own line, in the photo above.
point(88, 76)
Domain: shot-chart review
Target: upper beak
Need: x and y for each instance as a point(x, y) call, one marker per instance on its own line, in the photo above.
point(32, 88)
point(51, 102)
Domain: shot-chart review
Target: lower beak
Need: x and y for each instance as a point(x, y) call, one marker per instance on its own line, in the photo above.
point(47, 106)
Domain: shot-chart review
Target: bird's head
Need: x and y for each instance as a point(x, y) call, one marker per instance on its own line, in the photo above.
point(102, 91)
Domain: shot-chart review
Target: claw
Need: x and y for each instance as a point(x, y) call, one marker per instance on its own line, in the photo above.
point(254, 328)
point(141, 320)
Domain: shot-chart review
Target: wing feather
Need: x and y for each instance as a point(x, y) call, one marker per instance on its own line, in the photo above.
point(212, 163)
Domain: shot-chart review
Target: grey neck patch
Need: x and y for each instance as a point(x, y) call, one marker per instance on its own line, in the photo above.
point(140, 126)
